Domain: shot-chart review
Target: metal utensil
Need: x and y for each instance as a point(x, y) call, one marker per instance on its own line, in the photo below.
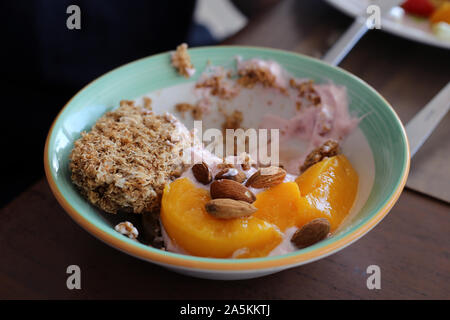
point(423, 124)
point(358, 28)
point(425, 121)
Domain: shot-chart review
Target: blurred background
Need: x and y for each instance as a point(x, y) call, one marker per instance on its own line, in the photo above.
point(45, 63)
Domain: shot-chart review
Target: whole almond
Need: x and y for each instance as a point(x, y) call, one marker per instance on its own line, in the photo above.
point(229, 208)
point(311, 233)
point(231, 174)
point(266, 177)
point(202, 173)
point(229, 189)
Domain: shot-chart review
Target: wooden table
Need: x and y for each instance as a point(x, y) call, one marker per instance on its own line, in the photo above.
point(411, 245)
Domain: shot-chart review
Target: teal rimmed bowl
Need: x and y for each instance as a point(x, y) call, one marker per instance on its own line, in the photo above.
point(381, 156)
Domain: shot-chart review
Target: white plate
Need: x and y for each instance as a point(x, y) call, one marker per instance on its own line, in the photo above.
point(407, 26)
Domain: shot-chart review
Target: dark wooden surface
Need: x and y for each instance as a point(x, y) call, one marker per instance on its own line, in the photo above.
point(411, 245)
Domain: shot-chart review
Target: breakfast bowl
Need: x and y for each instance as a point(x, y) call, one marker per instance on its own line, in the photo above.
point(377, 148)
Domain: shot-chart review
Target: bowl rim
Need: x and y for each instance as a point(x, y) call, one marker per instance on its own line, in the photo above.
point(215, 264)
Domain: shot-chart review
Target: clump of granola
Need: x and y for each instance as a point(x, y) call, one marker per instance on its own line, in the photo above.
point(218, 84)
point(183, 108)
point(255, 71)
point(127, 229)
point(233, 120)
point(225, 165)
point(329, 149)
point(182, 61)
point(147, 103)
point(127, 158)
point(306, 90)
point(248, 77)
point(246, 161)
point(196, 110)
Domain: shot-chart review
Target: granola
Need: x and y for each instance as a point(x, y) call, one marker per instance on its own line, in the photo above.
point(195, 109)
point(329, 149)
point(127, 229)
point(219, 84)
point(127, 158)
point(182, 61)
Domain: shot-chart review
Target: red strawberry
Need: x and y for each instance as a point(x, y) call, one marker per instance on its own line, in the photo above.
point(420, 7)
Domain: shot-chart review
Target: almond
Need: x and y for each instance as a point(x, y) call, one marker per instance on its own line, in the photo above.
point(230, 189)
point(231, 174)
point(202, 173)
point(266, 177)
point(229, 208)
point(311, 233)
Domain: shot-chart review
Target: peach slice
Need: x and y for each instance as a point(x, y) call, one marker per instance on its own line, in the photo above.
point(279, 205)
point(188, 224)
point(330, 186)
point(283, 206)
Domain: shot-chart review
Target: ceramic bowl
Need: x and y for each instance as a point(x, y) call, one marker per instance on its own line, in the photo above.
point(378, 149)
